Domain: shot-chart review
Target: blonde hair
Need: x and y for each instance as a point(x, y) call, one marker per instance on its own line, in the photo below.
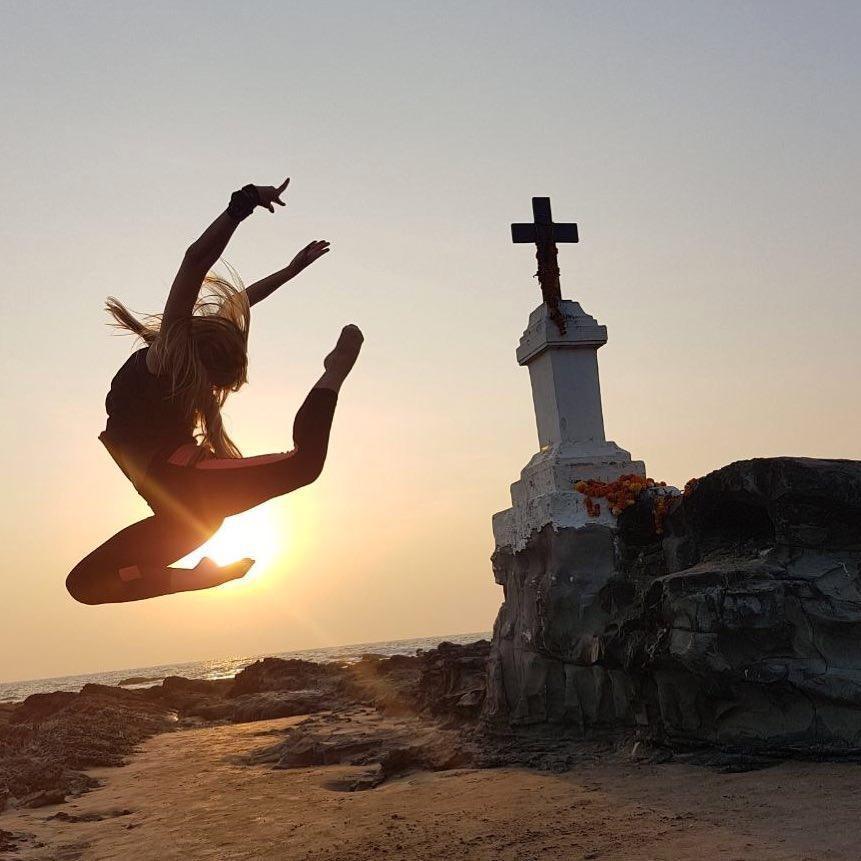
point(205, 355)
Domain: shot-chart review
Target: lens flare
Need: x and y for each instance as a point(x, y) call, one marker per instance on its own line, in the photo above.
point(253, 533)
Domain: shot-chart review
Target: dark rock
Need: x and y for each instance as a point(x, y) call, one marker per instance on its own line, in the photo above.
point(548, 637)
point(277, 674)
point(453, 679)
point(214, 710)
point(386, 746)
point(137, 680)
point(439, 755)
point(177, 686)
point(43, 798)
point(9, 841)
point(38, 707)
point(388, 684)
point(277, 704)
point(738, 628)
point(193, 697)
point(7, 713)
point(52, 737)
point(304, 752)
point(755, 504)
point(62, 816)
point(447, 681)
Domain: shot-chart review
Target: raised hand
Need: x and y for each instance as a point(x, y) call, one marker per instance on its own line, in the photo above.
point(266, 286)
point(311, 252)
point(268, 194)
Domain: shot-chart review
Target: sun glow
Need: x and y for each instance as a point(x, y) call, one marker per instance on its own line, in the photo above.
point(254, 534)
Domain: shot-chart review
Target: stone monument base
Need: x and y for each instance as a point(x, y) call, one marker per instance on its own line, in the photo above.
point(738, 627)
point(545, 492)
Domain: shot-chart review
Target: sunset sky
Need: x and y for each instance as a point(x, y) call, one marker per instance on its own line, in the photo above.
point(708, 151)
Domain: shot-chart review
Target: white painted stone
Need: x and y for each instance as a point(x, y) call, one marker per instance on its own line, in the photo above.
point(563, 370)
point(566, 394)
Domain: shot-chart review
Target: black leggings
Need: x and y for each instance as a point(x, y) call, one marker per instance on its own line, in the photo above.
point(190, 502)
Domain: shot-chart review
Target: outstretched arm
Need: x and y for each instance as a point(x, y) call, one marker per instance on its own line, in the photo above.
point(266, 286)
point(204, 252)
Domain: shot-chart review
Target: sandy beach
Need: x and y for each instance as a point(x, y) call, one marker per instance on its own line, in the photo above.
point(189, 795)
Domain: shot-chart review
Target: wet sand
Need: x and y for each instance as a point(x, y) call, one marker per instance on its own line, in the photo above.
point(187, 796)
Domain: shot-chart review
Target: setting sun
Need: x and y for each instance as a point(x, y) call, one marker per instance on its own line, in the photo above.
point(253, 534)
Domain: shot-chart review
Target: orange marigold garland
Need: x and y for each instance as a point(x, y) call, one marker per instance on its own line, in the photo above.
point(620, 494)
point(623, 492)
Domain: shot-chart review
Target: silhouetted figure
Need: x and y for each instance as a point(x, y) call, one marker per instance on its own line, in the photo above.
point(165, 429)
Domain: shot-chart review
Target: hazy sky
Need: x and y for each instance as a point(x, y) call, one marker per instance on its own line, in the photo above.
point(709, 152)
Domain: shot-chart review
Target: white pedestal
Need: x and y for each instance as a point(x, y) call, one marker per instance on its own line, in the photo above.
point(566, 393)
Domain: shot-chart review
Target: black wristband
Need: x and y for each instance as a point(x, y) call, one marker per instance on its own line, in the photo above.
point(242, 202)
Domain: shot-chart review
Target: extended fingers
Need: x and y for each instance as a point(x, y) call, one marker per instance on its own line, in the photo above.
point(276, 197)
point(316, 245)
point(311, 252)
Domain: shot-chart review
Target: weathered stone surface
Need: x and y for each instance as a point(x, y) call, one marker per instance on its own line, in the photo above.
point(276, 704)
point(452, 680)
point(277, 674)
point(51, 737)
point(193, 697)
point(739, 627)
point(385, 746)
point(448, 681)
point(547, 641)
point(38, 707)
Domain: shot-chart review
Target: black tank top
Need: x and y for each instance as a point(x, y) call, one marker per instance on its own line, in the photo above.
point(144, 420)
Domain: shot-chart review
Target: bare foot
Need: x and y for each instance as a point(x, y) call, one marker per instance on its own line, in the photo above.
point(209, 573)
point(341, 360)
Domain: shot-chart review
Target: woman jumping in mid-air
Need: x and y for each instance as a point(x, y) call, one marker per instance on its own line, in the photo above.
point(165, 431)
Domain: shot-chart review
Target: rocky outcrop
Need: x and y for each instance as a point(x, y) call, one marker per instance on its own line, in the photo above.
point(545, 663)
point(48, 739)
point(51, 738)
point(278, 674)
point(739, 626)
point(453, 680)
point(447, 682)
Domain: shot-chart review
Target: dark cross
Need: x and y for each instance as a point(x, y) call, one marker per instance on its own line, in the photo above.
point(545, 234)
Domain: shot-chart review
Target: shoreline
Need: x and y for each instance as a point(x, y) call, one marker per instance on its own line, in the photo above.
point(226, 667)
point(49, 740)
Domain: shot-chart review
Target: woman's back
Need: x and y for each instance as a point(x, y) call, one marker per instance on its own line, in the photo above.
point(144, 419)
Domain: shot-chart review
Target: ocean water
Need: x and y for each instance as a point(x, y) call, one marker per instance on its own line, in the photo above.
point(223, 668)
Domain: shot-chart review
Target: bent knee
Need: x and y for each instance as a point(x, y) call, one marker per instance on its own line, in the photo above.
point(82, 589)
point(310, 469)
point(311, 475)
